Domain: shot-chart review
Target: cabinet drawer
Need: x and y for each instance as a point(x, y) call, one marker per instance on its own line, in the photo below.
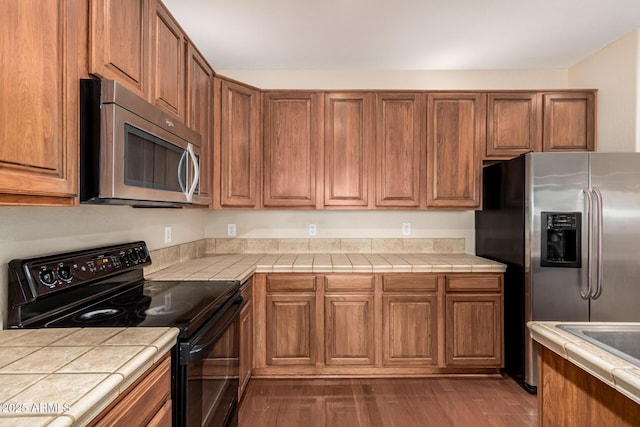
point(409, 282)
point(349, 283)
point(294, 283)
point(489, 282)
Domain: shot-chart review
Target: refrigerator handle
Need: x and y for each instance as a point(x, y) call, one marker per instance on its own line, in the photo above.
point(587, 193)
point(598, 197)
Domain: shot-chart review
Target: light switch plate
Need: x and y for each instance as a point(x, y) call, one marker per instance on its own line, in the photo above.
point(231, 230)
point(406, 228)
point(167, 234)
point(313, 230)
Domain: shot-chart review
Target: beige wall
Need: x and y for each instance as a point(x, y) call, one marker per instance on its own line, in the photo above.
point(33, 231)
point(614, 72)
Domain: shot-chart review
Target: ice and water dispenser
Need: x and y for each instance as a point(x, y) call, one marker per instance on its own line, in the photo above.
point(561, 239)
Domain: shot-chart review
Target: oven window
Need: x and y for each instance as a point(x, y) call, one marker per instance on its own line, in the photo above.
point(151, 162)
point(212, 382)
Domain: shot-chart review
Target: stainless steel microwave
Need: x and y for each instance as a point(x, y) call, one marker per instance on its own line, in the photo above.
point(132, 153)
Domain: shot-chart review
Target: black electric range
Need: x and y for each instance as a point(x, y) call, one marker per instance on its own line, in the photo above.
point(105, 287)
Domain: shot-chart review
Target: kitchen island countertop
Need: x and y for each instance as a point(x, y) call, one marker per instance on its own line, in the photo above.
point(606, 366)
point(66, 377)
point(242, 266)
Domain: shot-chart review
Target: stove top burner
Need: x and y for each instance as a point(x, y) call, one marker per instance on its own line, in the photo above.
point(98, 315)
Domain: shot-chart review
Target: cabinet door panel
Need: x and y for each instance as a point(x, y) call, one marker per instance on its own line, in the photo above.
point(167, 61)
point(349, 329)
point(199, 114)
point(119, 42)
point(569, 121)
point(400, 149)
point(347, 149)
point(291, 136)
point(410, 330)
point(291, 330)
point(513, 124)
point(39, 100)
point(239, 146)
point(456, 133)
point(473, 330)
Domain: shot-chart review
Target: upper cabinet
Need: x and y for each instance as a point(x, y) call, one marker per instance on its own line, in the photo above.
point(167, 61)
point(347, 148)
point(569, 121)
point(39, 100)
point(400, 150)
point(292, 135)
point(455, 136)
point(119, 42)
point(199, 113)
point(513, 124)
point(238, 175)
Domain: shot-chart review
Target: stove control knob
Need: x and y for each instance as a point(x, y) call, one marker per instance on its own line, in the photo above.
point(142, 253)
point(133, 256)
point(124, 257)
point(64, 272)
point(48, 277)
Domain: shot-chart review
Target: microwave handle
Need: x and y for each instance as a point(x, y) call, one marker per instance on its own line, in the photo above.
point(180, 167)
point(196, 173)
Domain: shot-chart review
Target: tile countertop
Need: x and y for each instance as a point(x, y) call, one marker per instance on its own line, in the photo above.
point(241, 266)
point(66, 377)
point(605, 366)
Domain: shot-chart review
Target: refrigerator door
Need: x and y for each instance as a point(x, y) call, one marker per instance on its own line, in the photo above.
point(554, 183)
point(617, 177)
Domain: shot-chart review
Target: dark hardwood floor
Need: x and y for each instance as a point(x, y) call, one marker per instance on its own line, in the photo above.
point(477, 402)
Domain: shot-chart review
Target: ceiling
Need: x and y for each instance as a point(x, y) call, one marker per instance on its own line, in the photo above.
point(402, 34)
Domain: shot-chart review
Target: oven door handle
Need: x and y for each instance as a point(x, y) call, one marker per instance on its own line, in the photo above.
point(198, 351)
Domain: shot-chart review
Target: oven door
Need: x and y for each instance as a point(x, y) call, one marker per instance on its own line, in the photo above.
point(207, 385)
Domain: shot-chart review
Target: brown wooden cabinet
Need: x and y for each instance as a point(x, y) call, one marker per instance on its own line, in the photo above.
point(146, 402)
point(199, 114)
point(349, 318)
point(474, 320)
point(348, 140)
point(119, 42)
point(39, 98)
point(167, 47)
point(569, 121)
point(514, 124)
point(238, 177)
point(400, 150)
point(291, 327)
point(292, 135)
point(456, 134)
point(410, 319)
point(246, 338)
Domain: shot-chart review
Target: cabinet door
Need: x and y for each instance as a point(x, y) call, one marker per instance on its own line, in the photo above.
point(513, 124)
point(291, 329)
point(569, 121)
point(473, 327)
point(400, 150)
point(119, 42)
point(167, 61)
point(239, 146)
point(292, 128)
point(347, 149)
point(410, 325)
point(456, 133)
point(199, 113)
point(39, 98)
point(349, 330)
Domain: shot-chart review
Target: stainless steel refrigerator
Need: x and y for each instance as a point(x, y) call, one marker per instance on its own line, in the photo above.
point(568, 227)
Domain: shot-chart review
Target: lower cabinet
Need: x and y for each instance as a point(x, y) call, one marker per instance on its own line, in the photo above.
point(147, 402)
point(377, 324)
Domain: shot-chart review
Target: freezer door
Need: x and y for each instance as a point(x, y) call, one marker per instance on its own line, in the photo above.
point(617, 177)
point(556, 184)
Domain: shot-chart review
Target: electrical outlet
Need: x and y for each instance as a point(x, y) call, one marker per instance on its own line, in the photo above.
point(406, 228)
point(231, 230)
point(313, 230)
point(167, 234)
